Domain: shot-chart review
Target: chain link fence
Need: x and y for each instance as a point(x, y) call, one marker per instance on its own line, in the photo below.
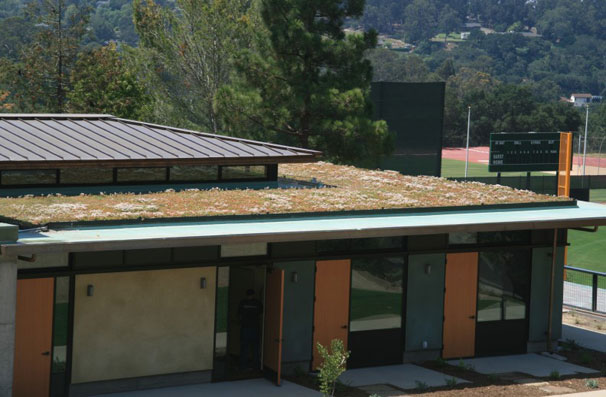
point(585, 289)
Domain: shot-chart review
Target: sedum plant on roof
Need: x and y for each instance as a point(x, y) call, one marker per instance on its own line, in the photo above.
point(350, 189)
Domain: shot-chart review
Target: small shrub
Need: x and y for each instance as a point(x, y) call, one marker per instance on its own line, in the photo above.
point(493, 378)
point(451, 382)
point(554, 375)
point(586, 357)
point(332, 367)
point(461, 364)
point(440, 362)
point(572, 344)
point(591, 383)
point(421, 385)
point(470, 367)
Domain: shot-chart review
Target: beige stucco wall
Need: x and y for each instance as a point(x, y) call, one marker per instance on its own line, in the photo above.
point(143, 323)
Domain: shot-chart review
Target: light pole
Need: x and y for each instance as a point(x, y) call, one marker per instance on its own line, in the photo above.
point(585, 143)
point(467, 147)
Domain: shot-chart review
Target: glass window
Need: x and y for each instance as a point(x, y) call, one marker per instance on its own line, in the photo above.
point(29, 177)
point(504, 282)
point(360, 244)
point(243, 171)
point(86, 175)
point(60, 330)
point(459, 238)
point(156, 174)
point(376, 294)
point(517, 236)
point(194, 173)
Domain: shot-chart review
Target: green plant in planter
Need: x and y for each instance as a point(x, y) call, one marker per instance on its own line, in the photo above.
point(333, 365)
point(592, 383)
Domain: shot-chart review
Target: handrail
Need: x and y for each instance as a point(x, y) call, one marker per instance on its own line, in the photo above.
point(578, 269)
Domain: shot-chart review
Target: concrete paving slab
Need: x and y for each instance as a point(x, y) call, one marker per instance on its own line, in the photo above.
point(584, 337)
point(597, 393)
point(403, 376)
point(556, 389)
point(248, 388)
point(531, 364)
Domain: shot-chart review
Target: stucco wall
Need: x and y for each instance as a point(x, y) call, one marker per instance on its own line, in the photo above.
point(143, 323)
point(425, 302)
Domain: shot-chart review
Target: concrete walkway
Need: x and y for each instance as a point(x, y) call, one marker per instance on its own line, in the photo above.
point(248, 388)
point(403, 376)
point(597, 393)
point(584, 337)
point(531, 364)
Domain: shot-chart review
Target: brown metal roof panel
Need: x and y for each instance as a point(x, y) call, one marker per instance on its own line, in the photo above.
point(87, 142)
point(153, 138)
point(215, 147)
point(179, 141)
point(108, 140)
point(137, 144)
point(28, 147)
point(59, 141)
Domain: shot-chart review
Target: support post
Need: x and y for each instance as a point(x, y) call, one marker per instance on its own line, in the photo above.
point(554, 256)
point(8, 305)
point(594, 293)
point(467, 146)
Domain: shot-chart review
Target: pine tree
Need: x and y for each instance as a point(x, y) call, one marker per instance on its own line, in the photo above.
point(306, 82)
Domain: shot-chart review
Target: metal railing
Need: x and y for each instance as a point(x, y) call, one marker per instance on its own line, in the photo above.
point(585, 289)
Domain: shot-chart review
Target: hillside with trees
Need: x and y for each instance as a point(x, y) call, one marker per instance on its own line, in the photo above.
point(233, 66)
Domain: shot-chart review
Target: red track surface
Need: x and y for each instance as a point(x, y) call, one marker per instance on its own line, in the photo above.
point(479, 154)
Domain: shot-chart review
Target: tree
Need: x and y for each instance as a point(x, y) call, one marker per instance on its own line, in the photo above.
point(103, 83)
point(189, 52)
point(48, 61)
point(420, 20)
point(307, 83)
point(5, 106)
point(448, 20)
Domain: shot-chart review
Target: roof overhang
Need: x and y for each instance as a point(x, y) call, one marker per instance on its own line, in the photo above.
point(214, 232)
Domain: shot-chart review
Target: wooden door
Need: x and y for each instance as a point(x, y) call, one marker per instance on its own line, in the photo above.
point(33, 337)
point(274, 317)
point(331, 309)
point(460, 305)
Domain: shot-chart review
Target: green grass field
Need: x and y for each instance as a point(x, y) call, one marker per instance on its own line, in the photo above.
point(456, 169)
point(587, 250)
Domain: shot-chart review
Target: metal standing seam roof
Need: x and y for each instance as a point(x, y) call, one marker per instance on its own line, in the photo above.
point(35, 140)
point(302, 228)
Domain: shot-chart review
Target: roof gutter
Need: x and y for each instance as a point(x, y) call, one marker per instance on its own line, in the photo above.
point(29, 248)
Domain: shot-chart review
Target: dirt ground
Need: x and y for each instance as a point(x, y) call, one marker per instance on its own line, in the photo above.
point(587, 321)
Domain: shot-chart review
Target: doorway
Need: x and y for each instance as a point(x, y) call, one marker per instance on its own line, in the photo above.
point(33, 337)
point(331, 308)
point(460, 305)
point(239, 340)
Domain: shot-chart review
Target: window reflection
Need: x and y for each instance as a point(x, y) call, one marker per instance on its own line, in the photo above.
point(504, 280)
point(376, 293)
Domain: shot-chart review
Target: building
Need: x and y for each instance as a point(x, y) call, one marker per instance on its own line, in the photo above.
point(580, 99)
point(110, 291)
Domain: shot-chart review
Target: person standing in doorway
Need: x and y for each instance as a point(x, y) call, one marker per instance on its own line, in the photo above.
point(250, 311)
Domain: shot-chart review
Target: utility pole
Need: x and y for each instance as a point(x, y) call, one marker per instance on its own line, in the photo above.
point(467, 148)
point(585, 143)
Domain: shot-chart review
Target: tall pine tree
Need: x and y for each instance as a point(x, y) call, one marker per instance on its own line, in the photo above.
point(307, 82)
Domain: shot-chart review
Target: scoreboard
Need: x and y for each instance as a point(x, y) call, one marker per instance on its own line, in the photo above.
point(530, 151)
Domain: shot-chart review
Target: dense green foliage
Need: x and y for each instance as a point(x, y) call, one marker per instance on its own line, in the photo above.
point(308, 83)
point(285, 71)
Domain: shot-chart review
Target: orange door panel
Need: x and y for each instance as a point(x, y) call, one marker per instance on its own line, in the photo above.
point(274, 314)
point(460, 305)
point(331, 309)
point(33, 337)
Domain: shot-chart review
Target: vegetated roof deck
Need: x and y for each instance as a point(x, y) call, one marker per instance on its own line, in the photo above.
point(351, 189)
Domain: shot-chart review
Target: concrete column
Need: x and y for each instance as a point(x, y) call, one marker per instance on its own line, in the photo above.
point(8, 304)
